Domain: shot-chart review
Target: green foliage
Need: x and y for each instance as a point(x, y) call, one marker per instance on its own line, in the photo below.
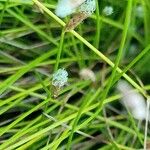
point(83, 115)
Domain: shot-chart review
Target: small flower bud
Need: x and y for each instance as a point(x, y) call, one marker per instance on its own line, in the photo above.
point(139, 12)
point(108, 10)
point(87, 74)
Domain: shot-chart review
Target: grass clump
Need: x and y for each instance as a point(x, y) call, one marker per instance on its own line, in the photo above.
point(84, 113)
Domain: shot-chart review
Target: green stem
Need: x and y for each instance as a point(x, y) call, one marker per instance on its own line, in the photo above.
point(59, 51)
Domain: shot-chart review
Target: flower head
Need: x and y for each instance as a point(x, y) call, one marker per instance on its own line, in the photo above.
point(108, 10)
point(67, 7)
point(88, 7)
point(60, 78)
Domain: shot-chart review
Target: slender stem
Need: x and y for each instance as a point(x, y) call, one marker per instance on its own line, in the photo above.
point(59, 51)
point(135, 60)
point(98, 26)
point(124, 37)
point(146, 124)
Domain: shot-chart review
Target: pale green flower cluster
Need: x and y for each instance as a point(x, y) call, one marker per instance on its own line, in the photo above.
point(67, 7)
point(88, 7)
point(60, 78)
point(108, 10)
